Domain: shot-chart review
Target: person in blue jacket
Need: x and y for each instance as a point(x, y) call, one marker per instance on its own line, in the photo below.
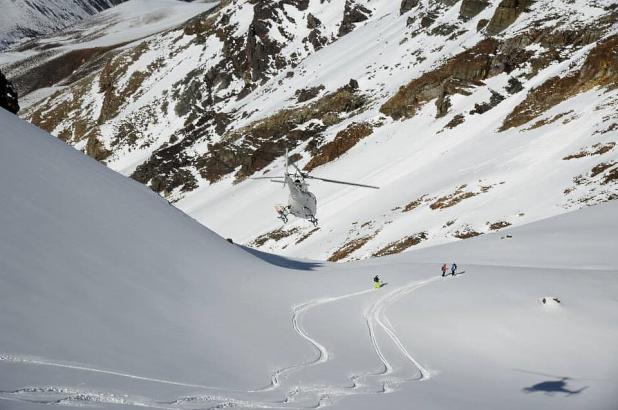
point(453, 269)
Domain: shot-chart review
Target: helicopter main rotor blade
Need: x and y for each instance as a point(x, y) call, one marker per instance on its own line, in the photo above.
point(298, 169)
point(265, 177)
point(334, 181)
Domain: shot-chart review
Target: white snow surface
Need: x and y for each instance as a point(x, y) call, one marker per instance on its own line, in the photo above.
point(123, 24)
point(130, 21)
point(110, 297)
point(27, 18)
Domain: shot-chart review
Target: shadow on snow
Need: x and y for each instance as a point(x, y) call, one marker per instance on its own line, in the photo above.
point(282, 261)
point(552, 387)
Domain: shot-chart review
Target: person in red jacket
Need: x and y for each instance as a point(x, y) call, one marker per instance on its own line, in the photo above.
point(444, 269)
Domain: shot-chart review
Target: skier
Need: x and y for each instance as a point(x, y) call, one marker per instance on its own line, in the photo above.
point(453, 269)
point(376, 282)
point(444, 269)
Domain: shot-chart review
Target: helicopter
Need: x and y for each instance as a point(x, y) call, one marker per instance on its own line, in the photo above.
point(301, 203)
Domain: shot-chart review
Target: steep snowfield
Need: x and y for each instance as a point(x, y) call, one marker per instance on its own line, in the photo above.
point(37, 61)
point(111, 297)
point(130, 21)
point(22, 18)
point(97, 269)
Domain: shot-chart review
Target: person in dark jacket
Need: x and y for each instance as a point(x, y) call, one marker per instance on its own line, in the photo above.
point(453, 269)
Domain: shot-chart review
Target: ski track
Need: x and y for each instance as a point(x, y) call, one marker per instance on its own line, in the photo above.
point(385, 324)
point(322, 357)
point(375, 319)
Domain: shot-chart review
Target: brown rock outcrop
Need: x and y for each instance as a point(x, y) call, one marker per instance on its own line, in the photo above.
point(506, 14)
point(600, 69)
point(263, 141)
point(407, 5)
point(353, 13)
point(470, 8)
point(401, 245)
point(466, 68)
point(343, 142)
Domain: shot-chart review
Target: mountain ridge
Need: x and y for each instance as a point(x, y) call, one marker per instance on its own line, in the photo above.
point(194, 112)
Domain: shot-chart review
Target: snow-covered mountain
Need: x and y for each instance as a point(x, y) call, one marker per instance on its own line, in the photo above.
point(112, 298)
point(46, 63)
point(470, 115)
point(31, 18)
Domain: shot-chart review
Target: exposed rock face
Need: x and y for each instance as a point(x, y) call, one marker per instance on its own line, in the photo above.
point(59, 68)
point(481, 24)
point(253, 57)
point(449, 3)
point(401, 245)
point(253, 147)
point(344, 140)
point(506, 14)
point(95, 149)
point(166, 169)
point(600, 69)
point(313, 21)
point(470, 8)
point(514, 86)
point(307, 94)
point(113, 97)
point(352, 14)
point(486, 59)
point(349, 247)
point(407, 5)
point(495, 99)
point(453, 77)
point(250, 148)
point(8, 95)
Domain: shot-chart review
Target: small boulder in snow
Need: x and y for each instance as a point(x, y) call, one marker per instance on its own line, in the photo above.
point(550, 300)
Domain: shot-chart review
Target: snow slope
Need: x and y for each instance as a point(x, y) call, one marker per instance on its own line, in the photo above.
point(129, 21)
point(111, 297)
point(34, 64)
point(23, 19)
point(178, 111)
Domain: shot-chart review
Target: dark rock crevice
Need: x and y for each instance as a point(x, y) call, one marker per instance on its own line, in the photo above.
point(8, 95)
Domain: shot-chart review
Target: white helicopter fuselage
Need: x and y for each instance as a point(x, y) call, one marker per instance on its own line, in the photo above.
point(301, 202)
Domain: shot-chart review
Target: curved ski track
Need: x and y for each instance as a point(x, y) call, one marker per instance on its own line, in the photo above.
point(318, 396)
